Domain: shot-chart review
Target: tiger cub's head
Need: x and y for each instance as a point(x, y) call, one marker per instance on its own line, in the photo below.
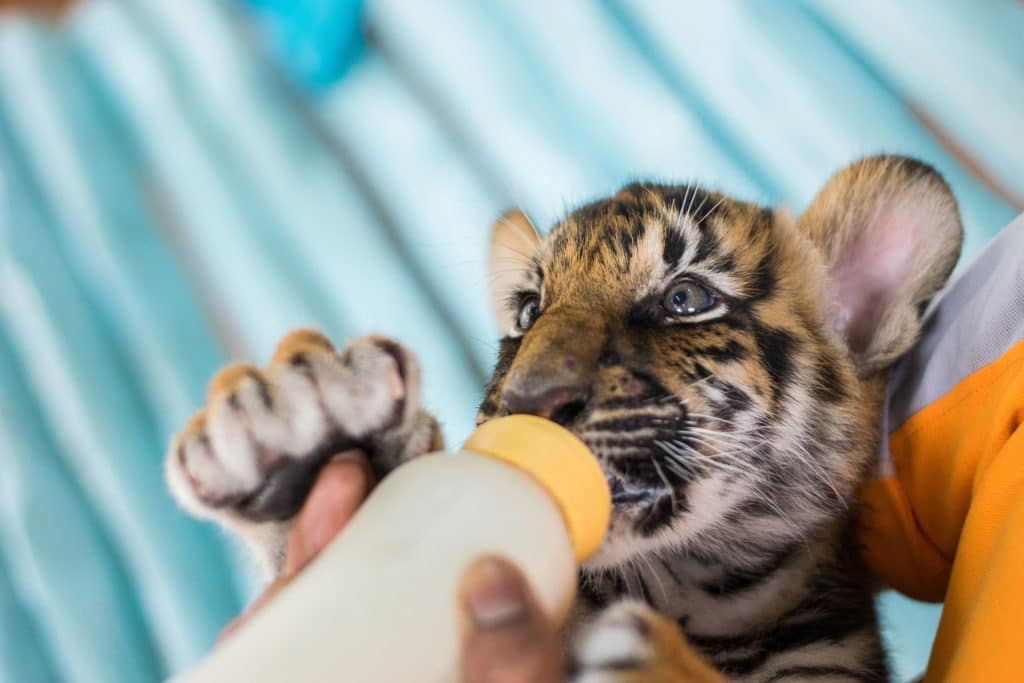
point(723, 361)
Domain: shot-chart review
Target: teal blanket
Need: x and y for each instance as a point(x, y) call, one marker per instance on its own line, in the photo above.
point(183, 181)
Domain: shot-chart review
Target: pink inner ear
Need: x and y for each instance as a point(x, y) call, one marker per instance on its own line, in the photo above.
point(872, 268)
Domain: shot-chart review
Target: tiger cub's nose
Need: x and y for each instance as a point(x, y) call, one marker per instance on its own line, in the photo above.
point(559, 404)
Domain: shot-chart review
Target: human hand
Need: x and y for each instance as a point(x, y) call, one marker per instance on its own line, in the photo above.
point(341, 487)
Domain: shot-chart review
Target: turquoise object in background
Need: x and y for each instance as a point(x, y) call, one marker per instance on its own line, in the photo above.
point(178, 190)
point(316, 40)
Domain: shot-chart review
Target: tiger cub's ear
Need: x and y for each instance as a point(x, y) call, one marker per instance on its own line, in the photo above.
point(890, 232)
point(514, 243)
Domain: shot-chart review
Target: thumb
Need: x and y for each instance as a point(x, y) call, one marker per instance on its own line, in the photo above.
point(507, 638)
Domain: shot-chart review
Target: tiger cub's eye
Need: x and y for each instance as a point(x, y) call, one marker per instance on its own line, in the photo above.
point(528, 313)
point(688, 297)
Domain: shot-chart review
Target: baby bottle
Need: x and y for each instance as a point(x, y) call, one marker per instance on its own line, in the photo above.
point(379, 604)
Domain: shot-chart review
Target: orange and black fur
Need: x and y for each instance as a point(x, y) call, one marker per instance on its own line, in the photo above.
point(725, 363)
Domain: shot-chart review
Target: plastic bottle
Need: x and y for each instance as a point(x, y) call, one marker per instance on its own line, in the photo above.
point(379, 604)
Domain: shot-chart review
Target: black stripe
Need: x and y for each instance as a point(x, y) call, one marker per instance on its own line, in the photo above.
point(640, 421)
point(732, 351)
point(739, 580)
point(819, 672)
point(724, 264)
point(737, 399)
point(764, 279)
point(784, 637)
point(675, 245)
point(641, 401)
point(776, 347)
point(828, 387)
point(661, 513)
point(671, 572)
point(698, 374)
point(707, 244)
point(627, 242)
point(639, 469)
point(733, 322)
point(641, 446)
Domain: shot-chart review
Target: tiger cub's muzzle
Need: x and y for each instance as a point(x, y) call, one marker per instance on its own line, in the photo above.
point(626, 417)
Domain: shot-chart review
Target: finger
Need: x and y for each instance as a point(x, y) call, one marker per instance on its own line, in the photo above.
point(507, 638)
point(340, 488)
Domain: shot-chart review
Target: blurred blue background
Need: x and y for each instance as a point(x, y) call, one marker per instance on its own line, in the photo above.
point(182, 181)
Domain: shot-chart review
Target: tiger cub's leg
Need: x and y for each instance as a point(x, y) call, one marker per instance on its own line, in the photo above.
point(631, 643)
point(250, 457)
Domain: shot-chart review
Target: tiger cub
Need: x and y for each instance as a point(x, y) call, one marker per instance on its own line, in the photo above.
point(725, 363)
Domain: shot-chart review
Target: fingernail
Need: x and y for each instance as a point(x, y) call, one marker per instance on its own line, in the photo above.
point(354, 456)
point(496, 596)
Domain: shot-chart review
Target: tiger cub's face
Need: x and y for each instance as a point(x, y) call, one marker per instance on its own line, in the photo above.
point(723, 361)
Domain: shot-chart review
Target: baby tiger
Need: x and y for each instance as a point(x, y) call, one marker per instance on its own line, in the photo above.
point(725, 363)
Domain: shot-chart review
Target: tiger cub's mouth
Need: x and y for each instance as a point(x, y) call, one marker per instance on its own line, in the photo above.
point(646, 456)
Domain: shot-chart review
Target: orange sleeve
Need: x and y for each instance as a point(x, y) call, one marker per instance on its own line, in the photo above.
point(948, 523)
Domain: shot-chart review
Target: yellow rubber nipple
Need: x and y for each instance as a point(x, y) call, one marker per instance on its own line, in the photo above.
point(561, 463)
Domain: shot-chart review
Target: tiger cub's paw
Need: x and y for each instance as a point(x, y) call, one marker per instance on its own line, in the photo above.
point(250, 457)
point(631, 643)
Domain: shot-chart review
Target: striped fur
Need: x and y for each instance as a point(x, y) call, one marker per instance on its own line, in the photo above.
point(735, 438)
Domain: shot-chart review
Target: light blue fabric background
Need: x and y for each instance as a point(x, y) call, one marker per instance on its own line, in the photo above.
point(182, 181)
